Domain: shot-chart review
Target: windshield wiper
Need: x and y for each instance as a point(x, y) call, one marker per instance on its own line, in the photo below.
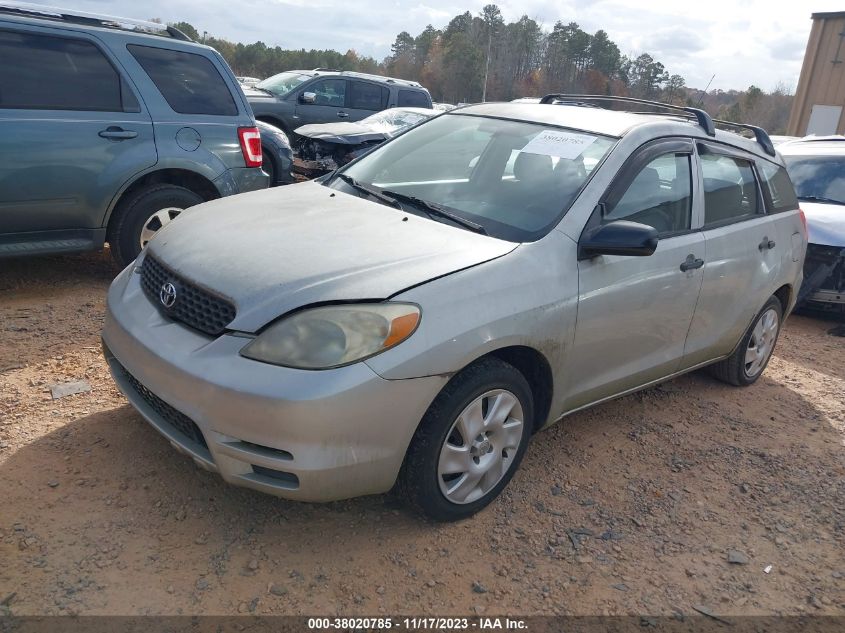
point(435, 209)
point(820, 199)
point(375, 193)
point(263, 90)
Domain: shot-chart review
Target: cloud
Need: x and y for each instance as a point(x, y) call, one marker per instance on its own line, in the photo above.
point(754, 41)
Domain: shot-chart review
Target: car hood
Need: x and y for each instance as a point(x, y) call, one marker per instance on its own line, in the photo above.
point(342, 133)
point(276, 250)
point(825, 223)
point(253, 93)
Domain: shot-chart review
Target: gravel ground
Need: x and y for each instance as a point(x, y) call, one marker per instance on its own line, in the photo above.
point(689, 495)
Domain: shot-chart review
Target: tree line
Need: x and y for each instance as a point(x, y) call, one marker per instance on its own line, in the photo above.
point(483, 57)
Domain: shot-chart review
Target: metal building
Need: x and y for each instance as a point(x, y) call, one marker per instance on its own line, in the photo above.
point(820, 97)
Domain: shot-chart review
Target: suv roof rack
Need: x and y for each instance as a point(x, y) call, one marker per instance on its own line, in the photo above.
point(327, 70)
point(91, 19)
point(760, 135)
point(701, 116)
point(704, 119)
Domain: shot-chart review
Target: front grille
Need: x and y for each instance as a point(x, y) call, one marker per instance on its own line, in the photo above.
point(178, 420)
point(193, 305)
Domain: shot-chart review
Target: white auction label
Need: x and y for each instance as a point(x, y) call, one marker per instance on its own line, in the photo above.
point(558, 143)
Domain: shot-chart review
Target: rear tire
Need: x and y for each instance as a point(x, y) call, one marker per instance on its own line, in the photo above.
point(135, 220)
point(462, 425)
point(752, 355)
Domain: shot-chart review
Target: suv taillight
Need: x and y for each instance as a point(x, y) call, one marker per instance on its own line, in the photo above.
point(250, 139)
point(803, 221)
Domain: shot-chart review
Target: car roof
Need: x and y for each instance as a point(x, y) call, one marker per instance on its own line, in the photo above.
point(814, 146)
point(349, 73)
point(605, 122)
point(27, 13)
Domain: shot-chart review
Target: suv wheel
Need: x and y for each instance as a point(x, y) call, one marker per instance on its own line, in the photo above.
point(470, 441)
point(752, 355)
point(139, 217)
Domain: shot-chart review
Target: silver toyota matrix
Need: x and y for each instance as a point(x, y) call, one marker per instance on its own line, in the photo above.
point(413, 318)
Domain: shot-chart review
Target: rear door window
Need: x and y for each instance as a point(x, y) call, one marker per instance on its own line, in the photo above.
point(41, 72)
point(190, 83)
point(730, 189)
point(367, 96)
point(413, 99)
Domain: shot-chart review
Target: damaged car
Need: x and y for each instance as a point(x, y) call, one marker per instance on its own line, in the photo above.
point(816, 166)
point(277, 154)
point(413, 320)
point(323, 147)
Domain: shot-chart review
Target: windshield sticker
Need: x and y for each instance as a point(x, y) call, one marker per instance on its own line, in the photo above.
point(561, 144)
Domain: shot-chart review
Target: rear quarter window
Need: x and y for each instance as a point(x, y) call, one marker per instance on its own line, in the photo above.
point(190, 83)
point(777, 188)
point(413, 99)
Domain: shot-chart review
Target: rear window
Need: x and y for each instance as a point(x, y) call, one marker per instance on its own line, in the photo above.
point(414, 99)
point(366, 96)
point(730, 189)
point(56, 73)
point(777, 188)
point(189, 82)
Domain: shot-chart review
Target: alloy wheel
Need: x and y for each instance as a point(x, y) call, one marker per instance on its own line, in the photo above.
point(480, 447)
point(156, 222)
point(762, 342)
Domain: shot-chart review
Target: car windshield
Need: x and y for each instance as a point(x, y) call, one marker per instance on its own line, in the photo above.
point(512, 179)
point(282, 83)
point(395, 120)
point(818, 177)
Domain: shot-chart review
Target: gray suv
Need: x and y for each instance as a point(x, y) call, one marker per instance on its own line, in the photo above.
point(300, 97)
point(109, 128)
point(415, 318)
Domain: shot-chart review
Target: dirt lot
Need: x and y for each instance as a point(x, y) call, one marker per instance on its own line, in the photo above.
point(633, 507)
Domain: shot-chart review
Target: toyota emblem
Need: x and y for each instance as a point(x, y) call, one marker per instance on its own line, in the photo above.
point(167, 294)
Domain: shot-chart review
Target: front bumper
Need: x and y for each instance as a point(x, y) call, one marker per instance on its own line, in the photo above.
point(824, 277)
point(306, 435)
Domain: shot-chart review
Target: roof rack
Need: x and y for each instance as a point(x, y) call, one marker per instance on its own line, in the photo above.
point(327, 70)
point(701, 116)
point(760, 135)
point(704, 119)
point(91, 19)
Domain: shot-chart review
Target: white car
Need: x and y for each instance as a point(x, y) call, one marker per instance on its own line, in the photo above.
point(816, 166)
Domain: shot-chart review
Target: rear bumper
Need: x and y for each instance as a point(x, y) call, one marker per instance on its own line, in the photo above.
point(241, 180)
point(306, 435)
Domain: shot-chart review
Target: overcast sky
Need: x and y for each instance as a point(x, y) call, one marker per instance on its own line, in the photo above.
point(740, 41)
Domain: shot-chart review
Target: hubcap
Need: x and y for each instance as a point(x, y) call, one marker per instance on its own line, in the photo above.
point(762, 342)
point(480, 447)
point(156, 221)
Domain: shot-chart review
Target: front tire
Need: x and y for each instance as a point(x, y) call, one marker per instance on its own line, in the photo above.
point(754, 351)
point(470, 441)
point(142, 214)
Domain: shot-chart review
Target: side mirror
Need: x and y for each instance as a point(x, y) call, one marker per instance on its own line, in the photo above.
point(618, 238)
point(308, 97)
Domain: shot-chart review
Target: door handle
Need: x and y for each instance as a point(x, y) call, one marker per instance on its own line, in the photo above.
point(766, 244)
point(342, 114)
point(115, 133)
point(691, 263)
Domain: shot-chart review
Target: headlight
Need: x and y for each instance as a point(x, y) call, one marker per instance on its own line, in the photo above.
point(331, 336)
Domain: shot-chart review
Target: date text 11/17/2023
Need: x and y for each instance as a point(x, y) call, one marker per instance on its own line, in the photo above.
point(417, 624)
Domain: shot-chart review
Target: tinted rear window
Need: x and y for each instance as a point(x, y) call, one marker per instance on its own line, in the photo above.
point(366, 96)
point(414, 99)
point(189, 82)
point(777, 188)
point(54, 73)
